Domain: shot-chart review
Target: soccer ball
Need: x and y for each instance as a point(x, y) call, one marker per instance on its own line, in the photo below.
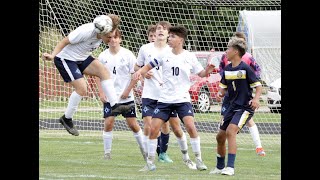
point(102, 24)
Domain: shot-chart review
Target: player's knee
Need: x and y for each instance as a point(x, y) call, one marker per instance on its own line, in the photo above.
point(82, 90)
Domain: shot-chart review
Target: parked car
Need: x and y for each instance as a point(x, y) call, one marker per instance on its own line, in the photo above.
point(274, 96)
point(203, 90)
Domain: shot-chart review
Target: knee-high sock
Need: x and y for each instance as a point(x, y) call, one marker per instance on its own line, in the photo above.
point(152, 146)
point(107, 141)
point(255, 136)
point(195, 144)
point(183, 146)
point(164, 142)
point(73, 104)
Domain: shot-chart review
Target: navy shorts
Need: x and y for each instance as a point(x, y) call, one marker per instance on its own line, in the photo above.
point(237, 115)
point(71, 70)
point(148, 106)
point(163, 110)
point(107, 111)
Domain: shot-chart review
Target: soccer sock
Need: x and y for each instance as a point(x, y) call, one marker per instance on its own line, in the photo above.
point(109, 91)
point(220, 161)
point(231, 159)
point(255, 136)
point(145, 143)
point(139, 137)
point(73, 103)
point(195, 144)
point(164, 142)
point(152, 146)
point(183, 146)
point(159, 145)
point(107, 141)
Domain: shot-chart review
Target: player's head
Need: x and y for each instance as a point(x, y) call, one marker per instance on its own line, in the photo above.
point(236, 47)
point(151, 33)
point(114, 38)
point(177, 36)
point(162, 28)
point(240, 35)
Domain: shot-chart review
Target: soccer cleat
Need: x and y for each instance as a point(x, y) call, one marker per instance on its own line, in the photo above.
point(216, 171)
point(190, 164)
point(148, 167)
point(163, 157)
point(68, 125)
point(200, 165)
point(122, 108)
point(260, 152)
point(107, 156)
point(228, 171)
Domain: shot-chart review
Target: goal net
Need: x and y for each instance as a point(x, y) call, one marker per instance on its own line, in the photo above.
point(210, 24)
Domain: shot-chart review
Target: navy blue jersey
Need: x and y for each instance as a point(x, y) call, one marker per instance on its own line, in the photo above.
point(239, 82)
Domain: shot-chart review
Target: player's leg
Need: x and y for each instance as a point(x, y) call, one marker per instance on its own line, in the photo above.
point(163, 145)
point(158, 118)
point(255, 137)
point(182, 141)
point(131, 119)
point(95, 68)
point(221, 138)
point(70, 72)
point(185, 112)
point(107, 130)
point(148, 106)
point(236, 124)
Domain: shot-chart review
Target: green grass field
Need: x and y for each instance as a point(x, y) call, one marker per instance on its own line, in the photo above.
point(62, 156)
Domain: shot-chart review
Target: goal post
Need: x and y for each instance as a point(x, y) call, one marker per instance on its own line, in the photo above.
point(210, 24)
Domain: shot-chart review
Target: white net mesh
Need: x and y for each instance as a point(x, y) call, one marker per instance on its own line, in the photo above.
point(210, 24)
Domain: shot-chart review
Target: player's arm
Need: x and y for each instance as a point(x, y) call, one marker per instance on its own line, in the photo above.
point(63, 43)
point(206, 71)
point(254, 83)
point(223, 88)
point(131, 85)
point(142, 71)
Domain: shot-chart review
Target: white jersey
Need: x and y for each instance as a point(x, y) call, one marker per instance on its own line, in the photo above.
point(176, 70)
point(152, 86)
point(83, 40)
point(120, 66)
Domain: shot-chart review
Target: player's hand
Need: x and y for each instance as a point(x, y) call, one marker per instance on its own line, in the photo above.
point(220, 95)
point(136, 76)
point(210, 67)
point(149, 75)
point(254, 104)
point(47, 56)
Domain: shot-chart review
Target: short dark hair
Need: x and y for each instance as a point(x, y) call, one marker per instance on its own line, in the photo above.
point(239, 44)
point(240, 35)
point(180, 31)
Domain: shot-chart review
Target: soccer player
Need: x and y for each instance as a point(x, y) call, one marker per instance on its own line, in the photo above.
point(177, 65)
point(151, 94)
point(120, 61)
point(151, 33)
point(238, 79)
point(247, 58)
point(72, 57)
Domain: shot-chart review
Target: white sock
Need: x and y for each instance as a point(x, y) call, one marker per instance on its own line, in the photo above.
point(145, 142)
point(109, 91)
point(183, 146)
point(152, 148)
point(195, 144)
point(255, 136)
point(73, 103)
point(107, 141)
point(139, 137)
